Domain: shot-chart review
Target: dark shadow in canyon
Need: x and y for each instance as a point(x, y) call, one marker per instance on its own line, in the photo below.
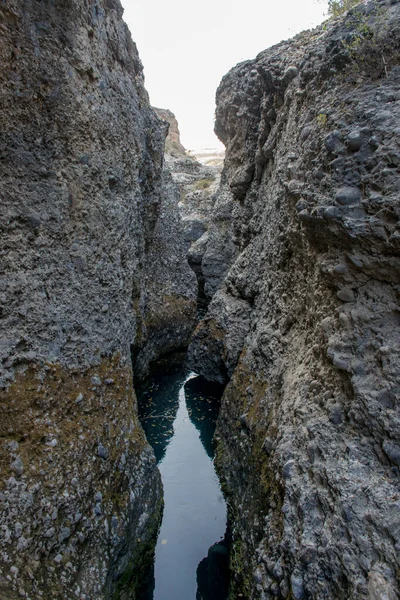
point(158, 402)
point(203, 401)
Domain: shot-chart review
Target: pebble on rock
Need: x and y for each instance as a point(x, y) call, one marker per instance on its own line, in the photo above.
point(332, 212)
point(297, 587)
point(346, 294)
point(354, 141)
point(348, 195)
point(336, 414)
point(102, 452)
point(333, 142)
point(341, 363)
point(50, 532)
point(17, 466)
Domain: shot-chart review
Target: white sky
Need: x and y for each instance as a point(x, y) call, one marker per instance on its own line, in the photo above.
point(187, 46)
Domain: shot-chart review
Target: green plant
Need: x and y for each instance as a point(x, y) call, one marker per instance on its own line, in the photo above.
point(203, 184)
point(338, 7)
point(369, 43)
point(322, 119)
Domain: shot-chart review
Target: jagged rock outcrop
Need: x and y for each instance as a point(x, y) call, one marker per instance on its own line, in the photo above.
point(88, 223)
point(305, 328)
point(169, 288)
point(213, 253)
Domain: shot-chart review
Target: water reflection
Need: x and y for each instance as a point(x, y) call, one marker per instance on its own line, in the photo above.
point(158, 402)
point(178, 412)
point(213, 573)
point(203, 402)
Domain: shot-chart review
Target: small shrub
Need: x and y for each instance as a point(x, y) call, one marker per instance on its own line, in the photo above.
point(322, 119)
point(338, 7)
point(203, 184)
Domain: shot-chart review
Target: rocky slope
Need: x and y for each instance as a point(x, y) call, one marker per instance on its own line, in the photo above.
point(89, 220)
point(305, 328)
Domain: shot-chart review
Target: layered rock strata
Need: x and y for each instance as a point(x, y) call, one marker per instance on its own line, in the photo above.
point(87, 218)
point(305, 328)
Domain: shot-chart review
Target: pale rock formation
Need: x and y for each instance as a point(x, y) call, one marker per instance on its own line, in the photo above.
point(173, 146)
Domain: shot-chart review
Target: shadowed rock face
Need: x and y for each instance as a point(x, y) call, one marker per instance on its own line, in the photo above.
point(88, 217)
point(305, 326)
point(206, 210)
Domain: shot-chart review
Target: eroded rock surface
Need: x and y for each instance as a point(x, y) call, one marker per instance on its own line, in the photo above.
point(89, 275)
point(167, 303)
point(306, 324)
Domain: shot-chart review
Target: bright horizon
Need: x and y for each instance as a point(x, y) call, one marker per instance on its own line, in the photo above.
point(186, 51)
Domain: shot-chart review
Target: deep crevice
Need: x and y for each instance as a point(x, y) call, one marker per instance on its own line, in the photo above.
point(170, 402)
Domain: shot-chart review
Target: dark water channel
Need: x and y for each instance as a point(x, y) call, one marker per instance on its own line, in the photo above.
point(178, 411)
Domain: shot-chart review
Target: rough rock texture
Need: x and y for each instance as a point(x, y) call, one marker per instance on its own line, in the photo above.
point(212, 255)
point(203, 215)
point(206, 210)
point(306, 325)
point(86, 212)
point(169, 289)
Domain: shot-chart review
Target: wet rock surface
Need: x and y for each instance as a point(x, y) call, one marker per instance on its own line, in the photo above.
point(89, 214)
point(306, 324)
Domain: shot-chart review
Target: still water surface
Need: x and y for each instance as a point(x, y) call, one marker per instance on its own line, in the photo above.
point(178, 411)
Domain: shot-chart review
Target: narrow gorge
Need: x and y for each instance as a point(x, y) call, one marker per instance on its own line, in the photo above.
point(114, 241)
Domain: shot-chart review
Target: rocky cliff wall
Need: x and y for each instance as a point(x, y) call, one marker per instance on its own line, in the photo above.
point(87, 217)
point(305, 328)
